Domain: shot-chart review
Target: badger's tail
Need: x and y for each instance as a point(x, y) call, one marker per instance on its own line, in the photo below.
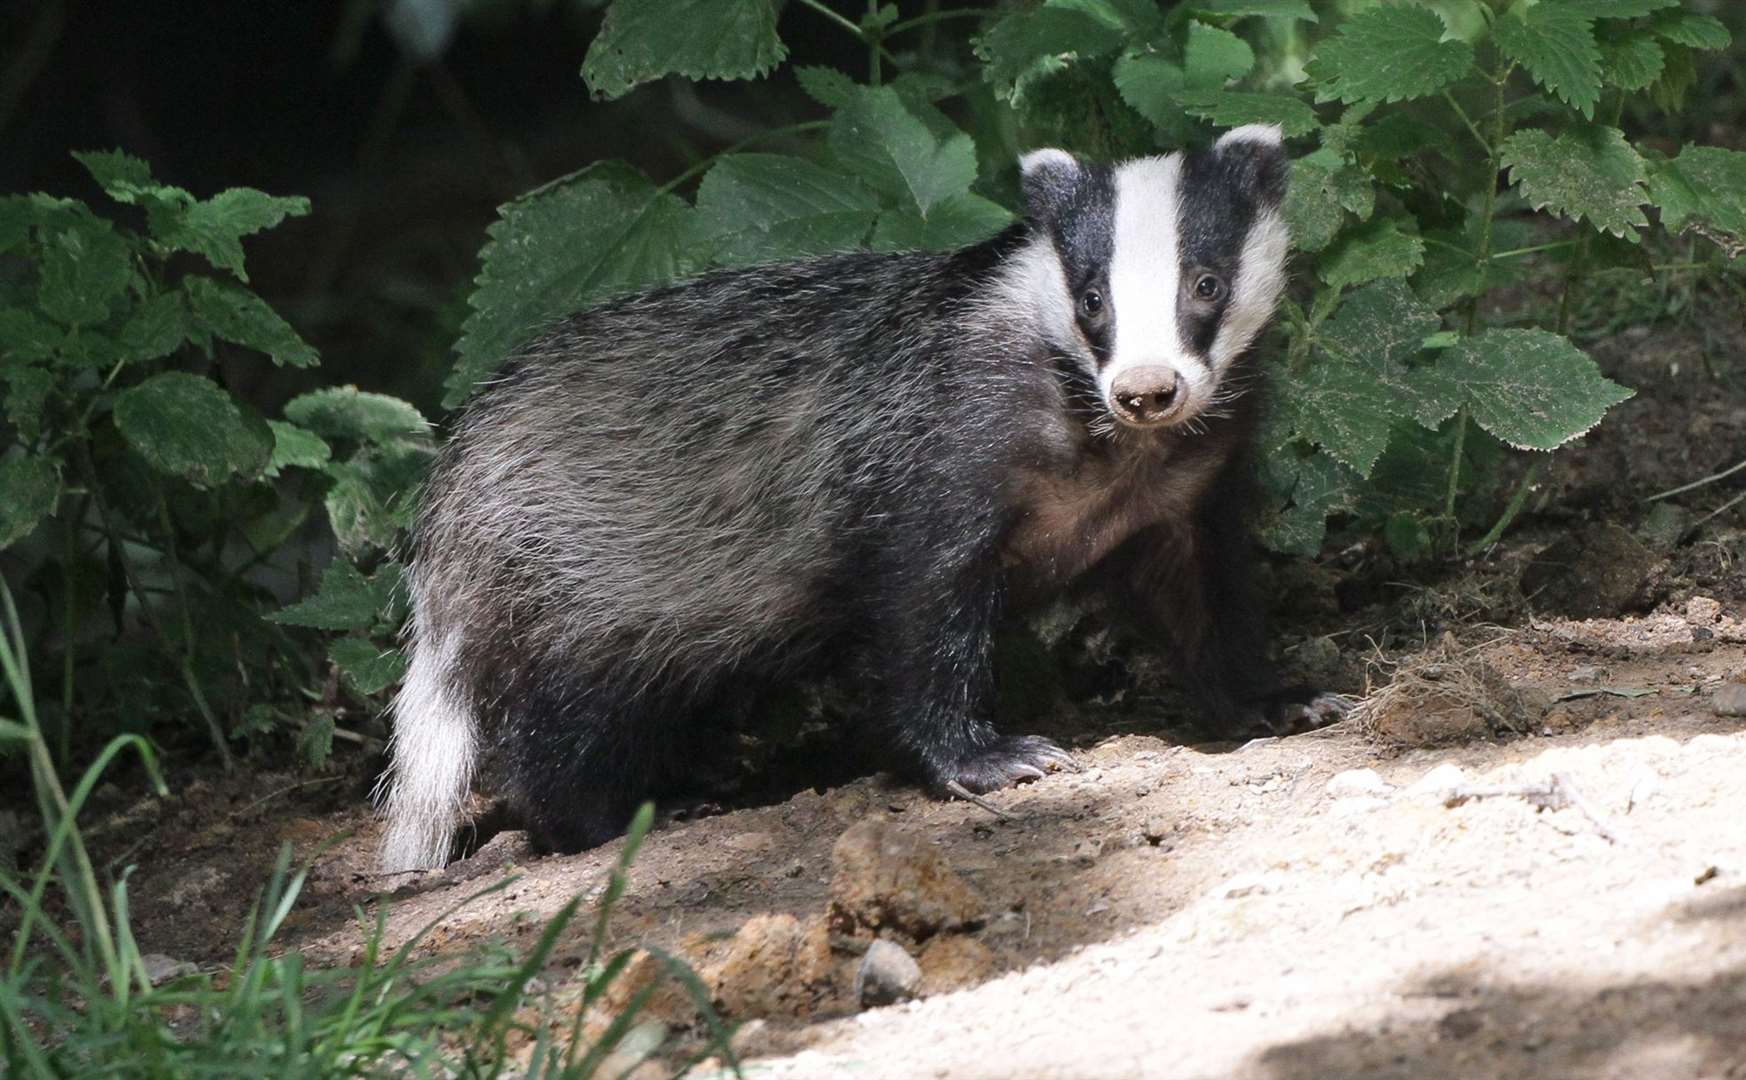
point(433, 749)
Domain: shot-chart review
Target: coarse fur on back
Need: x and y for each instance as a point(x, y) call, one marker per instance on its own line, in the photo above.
point(863, 457)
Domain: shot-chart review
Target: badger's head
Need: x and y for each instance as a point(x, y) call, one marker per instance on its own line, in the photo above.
point(1164, 269)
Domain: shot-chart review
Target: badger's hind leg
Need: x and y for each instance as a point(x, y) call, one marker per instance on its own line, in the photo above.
point(577, 763)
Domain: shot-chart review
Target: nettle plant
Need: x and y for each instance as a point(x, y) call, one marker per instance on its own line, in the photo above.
point(147, 509)
point(1447, 153)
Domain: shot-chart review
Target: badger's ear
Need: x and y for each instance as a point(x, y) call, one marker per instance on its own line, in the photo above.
point(1049, 178)
point(1253, 157)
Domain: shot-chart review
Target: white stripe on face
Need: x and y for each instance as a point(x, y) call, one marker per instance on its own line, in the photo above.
point(1260, 279)
point(1144, 281)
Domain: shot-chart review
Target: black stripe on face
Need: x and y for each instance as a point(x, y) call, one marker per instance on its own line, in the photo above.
point(1082, 225)
point(1217, 206)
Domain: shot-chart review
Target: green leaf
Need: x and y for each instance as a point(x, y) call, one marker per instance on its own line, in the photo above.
point(1678, 76)
point(1532, 389)
point(27, 391)
point(296, 447)
point(1692, 30)
point(1618, 9)
point(83, 271)
point(827, 86)
point(557, 250)
point(347, 600)
point(643, 40)
point(1632, 61)
point(1385, 247)
point(189, 427)
point(374, 494)
point(960, 220)
point(237, 315)
point(155, 328)
point(1555, 43)
point(1589, 172)
point(1317, 197)
point(345, 412)
point(1212, 57)
point(1705, 186)
point(1028, 46)
point(213, 228)
point(1388, 53)
point(1272, 9)
point(115, 171)
point(1312, 488)
point(880, 140)
point(761, 207)
point(30, 486)
point(24, 338)
point(1229, 109)
point(368, 668)
point(16, 217)
point(1150, 84)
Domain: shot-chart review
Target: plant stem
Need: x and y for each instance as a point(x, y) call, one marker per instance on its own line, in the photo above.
point(213, 728)
point(933, 17)
point(1517, 501)
point(1695, 484)
point(836, 17)
point(1516, 253)
point(1455, 477)
point(873, 45)
point(69, 633)
point(1471, 126)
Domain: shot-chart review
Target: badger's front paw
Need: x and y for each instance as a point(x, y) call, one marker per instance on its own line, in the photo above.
point(1298, 709)
point(1011, 759)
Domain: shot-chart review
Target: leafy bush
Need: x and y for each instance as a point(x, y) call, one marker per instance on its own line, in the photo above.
point(1396, 394)
point(173, 498)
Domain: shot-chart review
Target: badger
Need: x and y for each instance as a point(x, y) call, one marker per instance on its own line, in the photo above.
point(864, 457)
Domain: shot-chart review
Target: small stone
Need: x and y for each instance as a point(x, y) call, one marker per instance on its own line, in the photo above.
point(884, 877)
point(1598, 572)
point(1155, 830)
point(1439, 781)
point(750, 842)
point(1586, 674)
point(1702, 610)
point(1357, 782)
point(775, 966)
point(160, 968)
point(887, 975)
point(1730, 700)
point(953, 962)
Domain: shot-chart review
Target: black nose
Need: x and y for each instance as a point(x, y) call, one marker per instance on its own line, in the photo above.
point(1145, 395)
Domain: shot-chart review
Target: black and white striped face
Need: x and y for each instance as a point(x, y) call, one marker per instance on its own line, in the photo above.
point(1168, 268)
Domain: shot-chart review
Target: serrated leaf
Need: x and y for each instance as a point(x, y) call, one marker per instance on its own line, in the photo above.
point(1589, 172)
point(233, 313)
point(1027, 46)
point(374, 494)
point(1678, 76)
point(27, 391)
point(1212, 57)
point(190, 427)
point(1383, 248)
point(1694, 31)
point(30, 486)
point(1272, 9)
point(114, 170)
point(16, 217)
point(155, 328)
point(296, 447)
point(1556, 44)
point(879, 139)
point(213, 228)
point(1530, 388)
point(369, 668)
point(556, 251)
point(347, 600)
point(1313, 487)
point(1150, 84)
point(1618, 9)
point(1317, 197)
point(1229, 109)
point(1632, 61)
point(1389, 53)
point(957, 221)
point(82, 271)
point(345, 412)
point(641, 40)
point(1705, 186)
point(760, 207)
point(25, 338)
point(826, 85)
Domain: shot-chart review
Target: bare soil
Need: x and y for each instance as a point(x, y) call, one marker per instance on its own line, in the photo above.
point(1179, 909)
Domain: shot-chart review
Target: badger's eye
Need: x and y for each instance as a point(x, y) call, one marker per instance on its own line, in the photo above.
point(1208, 288)
point(1091, 303)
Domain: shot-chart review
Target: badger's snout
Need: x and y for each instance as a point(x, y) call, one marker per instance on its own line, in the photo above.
point(1146, 396)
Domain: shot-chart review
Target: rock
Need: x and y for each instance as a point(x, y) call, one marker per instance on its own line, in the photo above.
point(884, 878)
point(1357, 782)
point(667, 1002)
point(1439, 781)
point(1599, 572)
point(775, 966)
point(160, 968)
point(953, 962)
point(1702, 610)
point(1155, 830)
point(1730, 700)
point(751, 842)
point(1586, 674)
point(887, 975)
